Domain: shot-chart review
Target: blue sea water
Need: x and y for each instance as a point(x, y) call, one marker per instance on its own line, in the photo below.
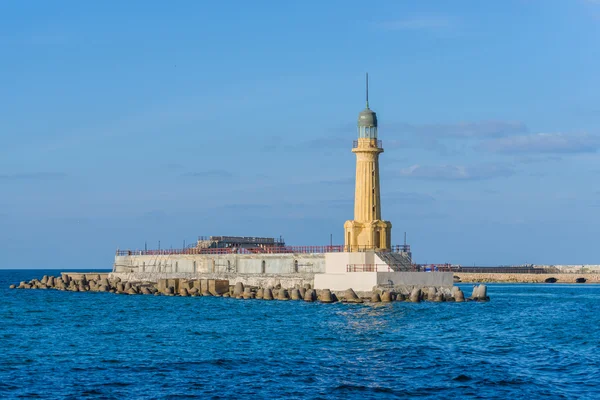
point(529, 341)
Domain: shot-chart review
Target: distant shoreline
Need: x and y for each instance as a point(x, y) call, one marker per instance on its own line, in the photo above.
point(471, 277)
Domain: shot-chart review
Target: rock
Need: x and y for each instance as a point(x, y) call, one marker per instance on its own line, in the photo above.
point(157, 293)
point(309, 295)
point(480, 293)
point(580, 280)
point(12, 287)
point(22, 284)
point(431, 292)
point(386, 297)
point(239, 289)
point(259, 294)
point(400, 297)
point(325, 296)
point(415, 295)
point(295, 295)
point(351, 297)
point(550, 280)
point(283, 294)
point(307, 286)
point(267, 294)
point(375, 298)
point(226, 295)
point(248, 294)
point(44, 279)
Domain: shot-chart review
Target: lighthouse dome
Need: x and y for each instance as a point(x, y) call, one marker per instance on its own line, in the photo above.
point(367, 118)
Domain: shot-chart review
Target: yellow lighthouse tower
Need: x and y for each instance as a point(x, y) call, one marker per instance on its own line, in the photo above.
point(367, 231)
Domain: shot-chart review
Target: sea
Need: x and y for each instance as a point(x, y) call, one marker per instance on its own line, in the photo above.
point(529, 342)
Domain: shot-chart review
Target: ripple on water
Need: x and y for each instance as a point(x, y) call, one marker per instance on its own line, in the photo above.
point(530, 341)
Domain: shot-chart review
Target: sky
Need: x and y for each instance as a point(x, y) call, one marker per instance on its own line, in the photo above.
point(126, 123)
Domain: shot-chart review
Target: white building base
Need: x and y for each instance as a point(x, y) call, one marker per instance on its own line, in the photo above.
point(345, 270)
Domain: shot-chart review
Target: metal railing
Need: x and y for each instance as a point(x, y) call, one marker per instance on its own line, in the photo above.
point(381, 268)
point(378, 144)
point(263, 250)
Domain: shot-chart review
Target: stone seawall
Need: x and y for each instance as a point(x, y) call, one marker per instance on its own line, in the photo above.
point(260, 280)
point(524, 278)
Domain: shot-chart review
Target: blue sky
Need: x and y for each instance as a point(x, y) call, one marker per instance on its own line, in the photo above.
point(125, 122)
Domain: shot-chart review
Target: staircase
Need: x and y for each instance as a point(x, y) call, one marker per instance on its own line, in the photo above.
point(396, 261)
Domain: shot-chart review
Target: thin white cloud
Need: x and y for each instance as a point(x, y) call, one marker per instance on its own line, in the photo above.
point(544, 143)
point(462, 130)
point(456, 172)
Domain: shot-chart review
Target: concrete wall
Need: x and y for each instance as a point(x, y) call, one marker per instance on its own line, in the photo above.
point(336, 263)
point(359, 281)
point(525, 278)
point(230, 263)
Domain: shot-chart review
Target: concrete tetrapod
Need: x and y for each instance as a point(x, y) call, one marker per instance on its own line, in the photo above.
point(283, 294)
point(439, 297)
point(375, 298)
point(400, 297)
point(302, 292)
point(386, 297)
point(259, 294)
point(239, 289)
point(431, 292)
point(326, 296)
point(267, 294)
point(480, 293)
point(351, 297)
point(296, 294)
point(459, 296)
point(415, 295)
point(248, 293)
point(309, 295)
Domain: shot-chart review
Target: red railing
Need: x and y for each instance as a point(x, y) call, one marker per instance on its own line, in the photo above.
point(261, 250)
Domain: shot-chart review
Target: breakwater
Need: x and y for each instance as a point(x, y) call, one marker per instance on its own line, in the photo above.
point(530, 341)
point(468, 277)
point(222, 288)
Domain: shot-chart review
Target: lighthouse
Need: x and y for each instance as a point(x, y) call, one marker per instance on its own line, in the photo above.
point(367, 231)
